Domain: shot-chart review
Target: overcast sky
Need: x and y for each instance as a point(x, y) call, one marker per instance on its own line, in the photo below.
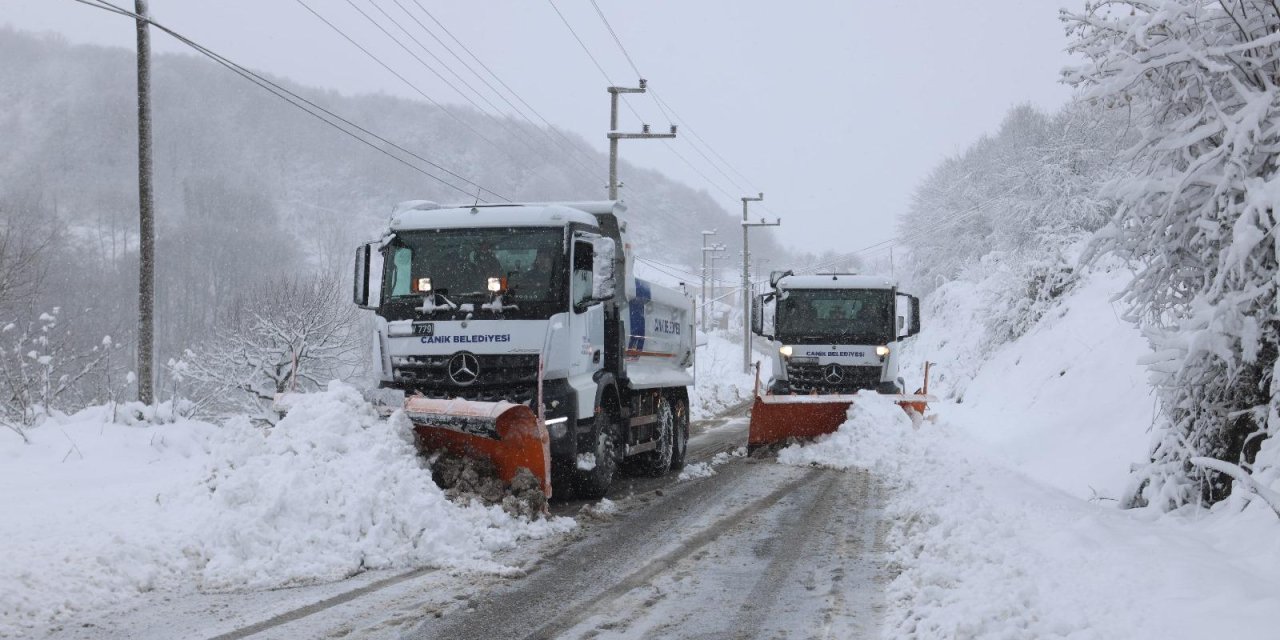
point(835, 109)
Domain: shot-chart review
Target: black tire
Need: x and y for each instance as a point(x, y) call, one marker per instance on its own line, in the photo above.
point(680, 445)
point(657, 463)
point(594, 483)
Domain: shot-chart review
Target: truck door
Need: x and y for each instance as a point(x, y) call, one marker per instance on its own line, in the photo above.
point(586, 321)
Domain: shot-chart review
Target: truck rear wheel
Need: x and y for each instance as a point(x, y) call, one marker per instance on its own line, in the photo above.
point(657, 462)
point(593, 483)
point(680, 444)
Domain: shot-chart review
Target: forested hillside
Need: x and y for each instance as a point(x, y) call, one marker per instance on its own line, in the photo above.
point(249, 189)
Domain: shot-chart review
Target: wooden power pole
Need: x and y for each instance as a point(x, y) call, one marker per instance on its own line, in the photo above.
point(146, 214)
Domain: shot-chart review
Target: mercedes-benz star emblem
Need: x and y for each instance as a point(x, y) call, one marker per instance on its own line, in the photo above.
point(834, 374)
point(464, 368)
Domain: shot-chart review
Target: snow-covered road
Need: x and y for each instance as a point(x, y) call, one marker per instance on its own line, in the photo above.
point(756, 550)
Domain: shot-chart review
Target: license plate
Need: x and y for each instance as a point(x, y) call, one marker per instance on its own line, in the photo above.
point(424, 328)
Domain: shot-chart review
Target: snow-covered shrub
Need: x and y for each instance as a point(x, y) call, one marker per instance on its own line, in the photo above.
point(1025, 288)
point(285, 335)
point(42, 371)
point(1197, 80)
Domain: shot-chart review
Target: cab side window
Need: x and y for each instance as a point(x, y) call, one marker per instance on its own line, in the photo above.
point(583, 260)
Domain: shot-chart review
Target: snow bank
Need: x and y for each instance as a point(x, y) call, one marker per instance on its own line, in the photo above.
point(104, 511)
point(333, 490)
point(721, 384)
point(980, 551)
point(84, 525)
point(1067, 403)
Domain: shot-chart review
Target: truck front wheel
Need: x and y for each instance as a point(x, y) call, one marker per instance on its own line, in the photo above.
point(596, 468)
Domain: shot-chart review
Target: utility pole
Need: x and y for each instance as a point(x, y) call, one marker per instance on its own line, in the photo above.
point(705, 249)
point(717, 249)
point(746, 279)
point(615, 135)
point(146, 220)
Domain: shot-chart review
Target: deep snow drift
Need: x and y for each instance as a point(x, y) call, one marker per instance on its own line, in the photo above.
point(102, 511)
point(1066, 403)
point(1000, 523)
point(979, 551)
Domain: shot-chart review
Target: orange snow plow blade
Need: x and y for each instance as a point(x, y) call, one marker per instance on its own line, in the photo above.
point(505, 433)
point(775, 418)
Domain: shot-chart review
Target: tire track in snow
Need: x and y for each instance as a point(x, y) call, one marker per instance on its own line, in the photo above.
point(665, 562)
point(797, 539)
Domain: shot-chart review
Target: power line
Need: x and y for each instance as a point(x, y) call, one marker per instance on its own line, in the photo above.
point(656, 265)
point(456, 75)
point(298, 101)
point(582, 44)
point(668, 112)
point(684, 124)
point(558, 139)
point(401, 77)
point(500, 119)
point(636, 69)
point(550, 127)
point(616, 39)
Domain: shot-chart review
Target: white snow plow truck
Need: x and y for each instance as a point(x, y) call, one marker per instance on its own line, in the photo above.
point(833, 335)
point(519, 333)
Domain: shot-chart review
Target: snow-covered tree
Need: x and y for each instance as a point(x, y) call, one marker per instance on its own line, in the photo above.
point(1029, 189)
point(285, 335)
point(1198, 80)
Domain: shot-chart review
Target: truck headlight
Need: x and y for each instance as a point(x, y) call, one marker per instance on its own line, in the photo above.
point(495, 284)
point(882, 351)
point(786, 351)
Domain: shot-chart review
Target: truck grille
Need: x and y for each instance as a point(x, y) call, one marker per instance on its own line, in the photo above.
point(513, 378)
point(815, 378)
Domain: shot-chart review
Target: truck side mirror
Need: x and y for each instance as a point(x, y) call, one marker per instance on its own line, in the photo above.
point(915, 317)
point(604, 282)
point(363, 283)
point(775, 276)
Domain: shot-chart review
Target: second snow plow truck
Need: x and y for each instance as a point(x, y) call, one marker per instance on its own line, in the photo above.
point(833, 336)
point(519, 333)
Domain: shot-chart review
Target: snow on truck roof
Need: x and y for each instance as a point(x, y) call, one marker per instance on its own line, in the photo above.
point(423, 214)
point(835, 281)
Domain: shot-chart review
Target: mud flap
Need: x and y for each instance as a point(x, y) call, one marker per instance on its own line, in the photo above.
point(505, 433)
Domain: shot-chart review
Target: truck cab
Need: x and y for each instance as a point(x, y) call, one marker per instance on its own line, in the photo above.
point(835, 333)
point(534, 304)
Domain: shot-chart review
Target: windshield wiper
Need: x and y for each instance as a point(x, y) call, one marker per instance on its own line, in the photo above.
point(429, 305)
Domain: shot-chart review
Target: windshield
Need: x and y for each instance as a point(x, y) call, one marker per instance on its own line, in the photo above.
point(847, 316)
point(458, 263)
